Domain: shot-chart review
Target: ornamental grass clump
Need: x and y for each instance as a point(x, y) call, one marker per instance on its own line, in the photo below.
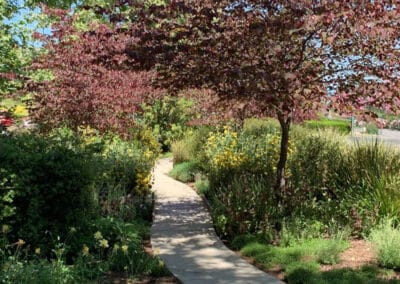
point(386, 241)
point(185, 172)
point(313, 165)
point(244, 205)
point(189, 148)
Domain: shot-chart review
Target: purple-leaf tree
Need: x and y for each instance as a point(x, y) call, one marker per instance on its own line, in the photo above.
point(95, 83)
point(287, 59)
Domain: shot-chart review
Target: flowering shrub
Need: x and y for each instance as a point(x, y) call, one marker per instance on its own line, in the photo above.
point(5, 119)
point(20, 111)
point(49, 184)
point(229, 152)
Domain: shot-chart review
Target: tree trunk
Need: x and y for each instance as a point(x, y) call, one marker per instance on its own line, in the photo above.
point(280, 182)
point(280, 171)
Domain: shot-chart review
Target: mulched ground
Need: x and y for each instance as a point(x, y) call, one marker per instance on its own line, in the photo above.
point(359, 253)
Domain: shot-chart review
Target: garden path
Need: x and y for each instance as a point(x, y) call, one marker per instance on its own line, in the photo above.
point(183, 236)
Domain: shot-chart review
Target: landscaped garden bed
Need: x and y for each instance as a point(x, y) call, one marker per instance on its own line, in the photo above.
point(75, 208)
point(338, 220)
point(104, 81)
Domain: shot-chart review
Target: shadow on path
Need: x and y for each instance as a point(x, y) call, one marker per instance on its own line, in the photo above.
point(183, 236)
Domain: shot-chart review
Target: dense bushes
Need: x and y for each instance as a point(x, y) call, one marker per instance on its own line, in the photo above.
point(189, 148)
point(47, 186)
point(229, 153)
point(78, 198)
point(243, 205)
point(331, 183)
point(167, 118)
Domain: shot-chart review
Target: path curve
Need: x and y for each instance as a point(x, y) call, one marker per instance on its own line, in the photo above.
point(183, 236)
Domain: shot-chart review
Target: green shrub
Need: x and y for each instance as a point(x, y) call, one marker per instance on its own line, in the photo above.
point(365, 163)
point(184, 172)
point(386, 240)
point(46, 186)
point(189, 148)
point(202, 185)
point(168, 118)
point(260, 127)
point(314, 162)
point(370, 176)
point(242, 206)
point(329, 181)
point(50, 184)
point(51, 187)
point(354, 184)
point(342, 126)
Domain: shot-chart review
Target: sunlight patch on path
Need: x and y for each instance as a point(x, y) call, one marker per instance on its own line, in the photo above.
point(183, 236)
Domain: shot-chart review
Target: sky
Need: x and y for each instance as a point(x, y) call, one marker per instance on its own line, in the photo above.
point(22, 16)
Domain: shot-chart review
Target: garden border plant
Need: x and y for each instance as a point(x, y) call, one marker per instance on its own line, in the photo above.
point(110, 238)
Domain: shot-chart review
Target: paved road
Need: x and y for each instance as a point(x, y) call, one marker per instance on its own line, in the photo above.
point(183, 236)
point(387, 136)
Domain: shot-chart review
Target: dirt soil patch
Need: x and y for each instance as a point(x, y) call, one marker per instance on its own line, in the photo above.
point(359, 253)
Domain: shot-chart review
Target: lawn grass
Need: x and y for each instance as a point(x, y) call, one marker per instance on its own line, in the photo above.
point(322, 251)
point(343, 126)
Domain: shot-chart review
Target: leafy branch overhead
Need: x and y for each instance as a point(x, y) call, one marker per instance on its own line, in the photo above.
point(289, 59)
point(95, 83)
point(280, 57)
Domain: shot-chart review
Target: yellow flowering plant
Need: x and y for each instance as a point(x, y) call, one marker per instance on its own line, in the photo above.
point(21, 111)
point(229, 152)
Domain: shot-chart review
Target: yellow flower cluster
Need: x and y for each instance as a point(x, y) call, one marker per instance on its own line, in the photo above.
point(227, 151)
point(223, 150)
point(143, 181)
point(21, 111)
point(103, 244)
point(85, 250)
point(123, 248)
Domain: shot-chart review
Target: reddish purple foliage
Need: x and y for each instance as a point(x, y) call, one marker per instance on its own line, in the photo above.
point(95, 82)
point(280, 58)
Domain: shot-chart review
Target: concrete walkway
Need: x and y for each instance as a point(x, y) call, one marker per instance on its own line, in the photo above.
point(183, 236)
